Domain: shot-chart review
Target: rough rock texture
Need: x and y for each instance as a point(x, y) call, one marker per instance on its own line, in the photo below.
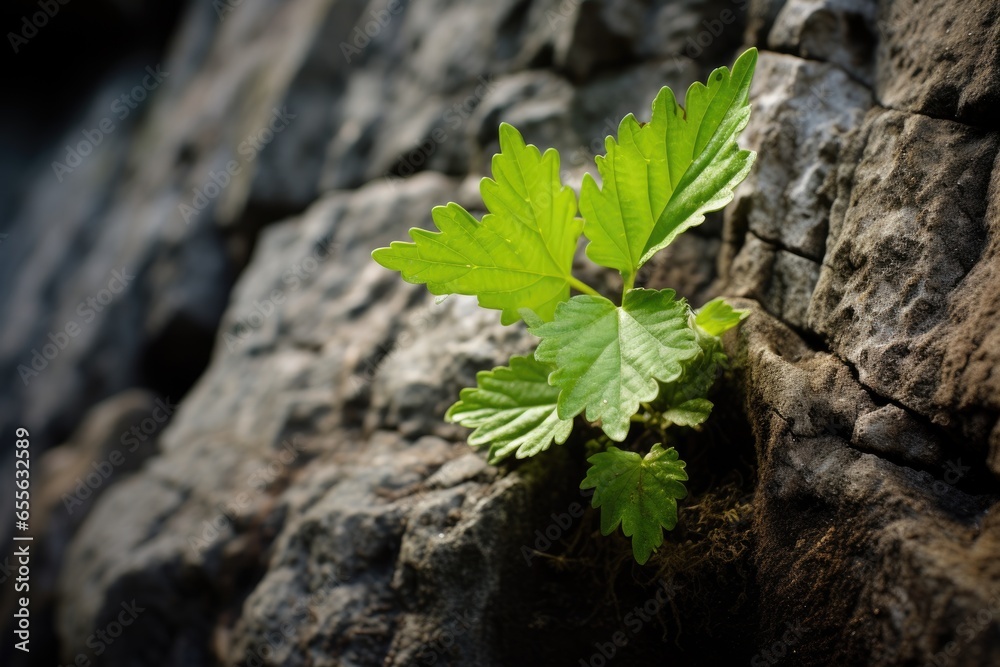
point(308, 506)
point(120, 210)
point(840, 32)
point(897, 549)
point(803, 113)
point(902, 255)
point(939, 62)
point(868, 364)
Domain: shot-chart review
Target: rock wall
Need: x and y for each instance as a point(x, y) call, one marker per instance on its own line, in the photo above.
point(867, 364)
point(308, 506)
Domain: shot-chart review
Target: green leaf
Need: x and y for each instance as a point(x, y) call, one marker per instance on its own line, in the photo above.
point(716, 164)
point(684, 401)
point(513, 409)
point(688, 413)
point(640, 493)
point(661, 177)
point(519, 256)
point(608, 358)
point(717, 317)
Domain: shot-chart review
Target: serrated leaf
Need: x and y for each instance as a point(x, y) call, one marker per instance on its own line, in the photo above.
point(692, 385)
point(513, 410)
point(720, 111)
point(660, 178)
point(608, 358)
point(640, 493)
point(688, 413)
point(519, 256)
point(717, 317)
point(686, 393)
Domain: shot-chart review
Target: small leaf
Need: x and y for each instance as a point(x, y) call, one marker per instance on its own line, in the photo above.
point(608, 358)
point(513, 409)
point(714, 117)
point(640, 493)
point(700, 373)
point(717, 317)
point(689, 413)
point(519, 256)
point(661, 177)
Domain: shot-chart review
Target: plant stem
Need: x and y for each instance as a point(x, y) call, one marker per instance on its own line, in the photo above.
point(583, 287)
point(629, 284)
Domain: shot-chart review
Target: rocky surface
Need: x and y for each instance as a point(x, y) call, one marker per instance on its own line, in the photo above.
point(851, 525)
point(902, 255)
point(839, 32)
point(307, 505)
point(938, 62)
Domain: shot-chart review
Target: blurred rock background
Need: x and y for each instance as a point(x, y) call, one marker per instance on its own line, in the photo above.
point(236, 415)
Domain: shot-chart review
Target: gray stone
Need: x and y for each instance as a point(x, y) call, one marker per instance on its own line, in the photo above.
point(761, 15)
point(308, 505)
point(940, 60)
point(898, 557)
point(222, 474)
point(705, 31)
point(901, 260)
point(803, 115)
point(409, 95)
point(841, 32)
point(207, 112)
point(781, 281)
point(896, 434)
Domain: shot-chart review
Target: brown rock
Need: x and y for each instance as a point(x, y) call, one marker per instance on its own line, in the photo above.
point(939, 60)
point(863, 561)
point(903, 273)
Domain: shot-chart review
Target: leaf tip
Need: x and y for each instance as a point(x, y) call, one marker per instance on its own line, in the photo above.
point(510, 138)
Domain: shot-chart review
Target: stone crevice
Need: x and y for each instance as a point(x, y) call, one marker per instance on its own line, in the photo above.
point(779, 245)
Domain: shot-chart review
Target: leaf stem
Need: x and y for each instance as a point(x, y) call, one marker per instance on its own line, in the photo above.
point(629, 283)
point(583, 287)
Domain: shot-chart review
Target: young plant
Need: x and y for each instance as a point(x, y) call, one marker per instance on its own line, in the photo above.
point(650, 359)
